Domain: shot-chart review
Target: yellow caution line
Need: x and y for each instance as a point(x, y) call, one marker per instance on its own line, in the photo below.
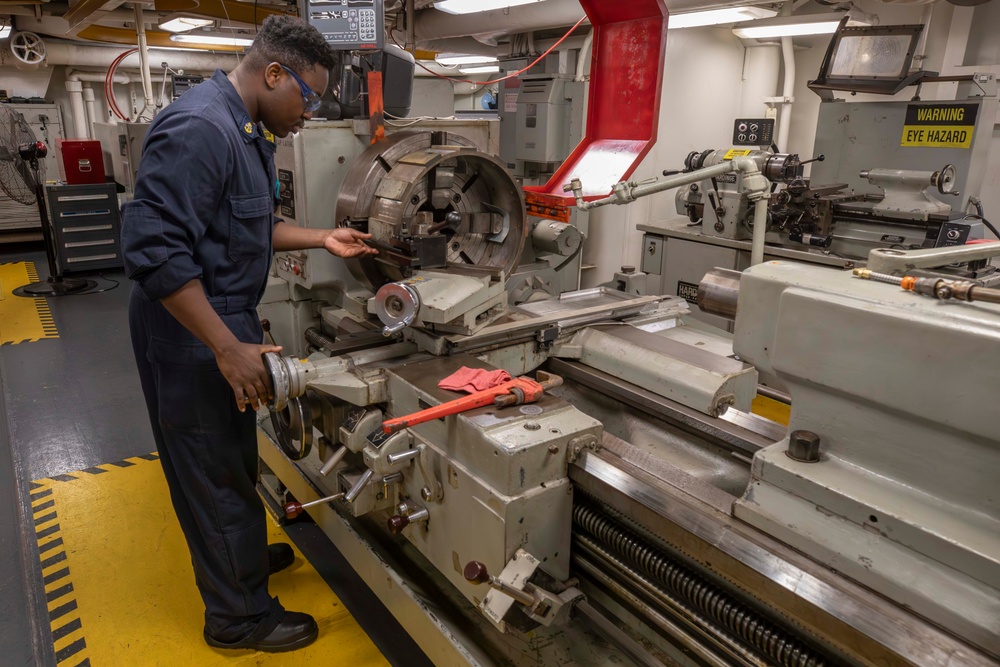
point(68, 641)
point(23, 320)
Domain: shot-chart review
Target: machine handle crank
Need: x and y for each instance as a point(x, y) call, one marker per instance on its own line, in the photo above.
point(476, 573)
point(294, 509)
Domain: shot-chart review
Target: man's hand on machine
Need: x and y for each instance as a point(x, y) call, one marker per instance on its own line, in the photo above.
point(349, 243)
point(243, 368)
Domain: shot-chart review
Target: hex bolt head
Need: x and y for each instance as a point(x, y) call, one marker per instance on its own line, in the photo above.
point(803, 446)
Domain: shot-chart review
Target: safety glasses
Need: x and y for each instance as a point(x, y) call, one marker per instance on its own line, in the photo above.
point(310, 98)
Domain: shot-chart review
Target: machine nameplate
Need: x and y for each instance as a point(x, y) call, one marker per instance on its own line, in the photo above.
point(687, 291)
point(889, 238)
point(940, 125)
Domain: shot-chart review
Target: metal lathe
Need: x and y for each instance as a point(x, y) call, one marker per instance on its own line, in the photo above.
point(639, 512)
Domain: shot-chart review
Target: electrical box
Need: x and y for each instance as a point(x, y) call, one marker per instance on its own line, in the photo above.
point(349, 25)
point(542, 116)
point(121, 145)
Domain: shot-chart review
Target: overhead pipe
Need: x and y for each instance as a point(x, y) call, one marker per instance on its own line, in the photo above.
point(75, 90)
point(87, 55)
point(787, 86)
point(88, 101)
point(147, 82)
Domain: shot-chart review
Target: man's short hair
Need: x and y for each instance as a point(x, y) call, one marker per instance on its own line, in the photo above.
point(292, 42)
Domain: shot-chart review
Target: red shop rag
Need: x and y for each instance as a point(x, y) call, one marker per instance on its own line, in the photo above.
point(471, 380)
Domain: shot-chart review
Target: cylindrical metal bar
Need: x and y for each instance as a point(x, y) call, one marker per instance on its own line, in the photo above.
point(617, 636)
point(355, 491)
point(403, 456)
point(328, 499)
point(774, 394)
point(332, 462)
point(759, 231)
point(527, 599)
point(719, 293)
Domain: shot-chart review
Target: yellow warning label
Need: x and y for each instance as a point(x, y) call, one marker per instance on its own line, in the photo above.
point(737, 152)
point(940, 125)
point(937, 136)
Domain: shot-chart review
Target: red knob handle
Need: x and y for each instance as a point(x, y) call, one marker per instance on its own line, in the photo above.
point(397, 523)
point(476, 573)
point(292, 510)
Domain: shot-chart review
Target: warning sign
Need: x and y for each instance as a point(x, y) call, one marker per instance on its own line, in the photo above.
point(734, 153)
point(940, 125)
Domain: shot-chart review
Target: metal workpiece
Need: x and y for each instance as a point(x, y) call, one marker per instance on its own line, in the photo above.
point(907, 192)
point(719, 293)
point(881, 488)
point(432, 200)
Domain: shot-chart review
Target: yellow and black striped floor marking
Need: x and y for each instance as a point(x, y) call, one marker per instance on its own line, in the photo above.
point(120, 586)
point(23, 320)
point(68, 640)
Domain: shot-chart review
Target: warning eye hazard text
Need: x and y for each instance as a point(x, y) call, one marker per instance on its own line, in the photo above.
point(940, 125)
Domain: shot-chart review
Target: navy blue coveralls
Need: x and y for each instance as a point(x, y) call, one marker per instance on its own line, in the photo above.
point(203, 209)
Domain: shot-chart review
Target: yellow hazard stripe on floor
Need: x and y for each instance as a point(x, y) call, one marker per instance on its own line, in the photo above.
point(771, 409)
point(122, 587)
point(22, 320)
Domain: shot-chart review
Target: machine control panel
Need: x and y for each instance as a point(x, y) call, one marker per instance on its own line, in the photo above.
point(286, 190)
point(349, 25)
point(952, 234)
point(753, 132)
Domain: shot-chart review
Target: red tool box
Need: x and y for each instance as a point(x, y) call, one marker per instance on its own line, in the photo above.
point(81, 161)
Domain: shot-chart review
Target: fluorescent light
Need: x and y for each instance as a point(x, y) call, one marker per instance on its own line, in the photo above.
point(211, 40)
point(486, 69)
point(458, 59)
point(717, 16)
point(185, 23)
point(788, 26)
point(472, 6)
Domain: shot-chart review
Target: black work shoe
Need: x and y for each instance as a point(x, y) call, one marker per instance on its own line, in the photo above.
point(296, 630)
point(279, 556)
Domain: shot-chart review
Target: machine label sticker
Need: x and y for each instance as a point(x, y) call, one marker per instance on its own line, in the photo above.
point(687, 291)
point(940, 125)
point(889, 238)
point(378, 437)
point(510, 103)
point(737, 152)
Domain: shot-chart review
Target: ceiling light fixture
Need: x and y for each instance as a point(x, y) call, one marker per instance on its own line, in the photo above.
point(788, 26)
point(717, 16)
point(211, 40)
point(472, 6)
point(185, 23)
point(459, 59)
point(485, 69)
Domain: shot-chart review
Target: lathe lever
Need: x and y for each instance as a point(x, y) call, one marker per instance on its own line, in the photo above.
point(294, 509)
